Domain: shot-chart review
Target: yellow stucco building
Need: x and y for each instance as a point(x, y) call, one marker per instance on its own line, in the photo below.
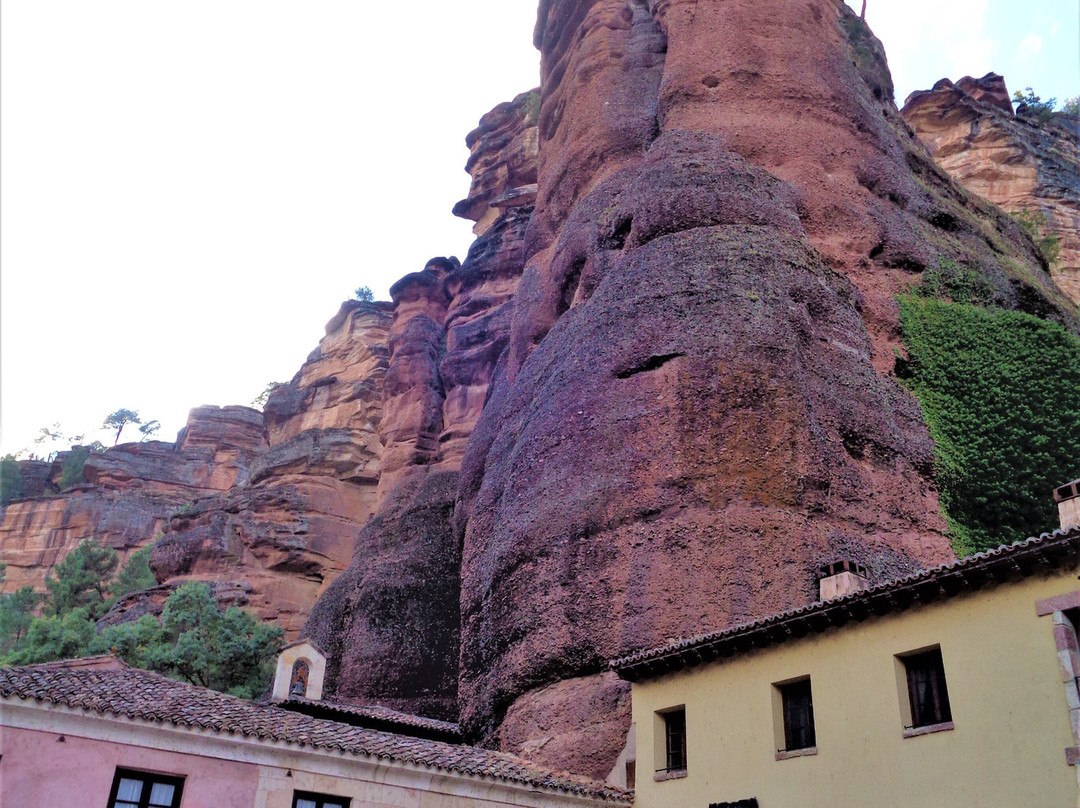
point(952, 688)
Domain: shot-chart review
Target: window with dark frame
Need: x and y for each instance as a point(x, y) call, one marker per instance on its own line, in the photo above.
point(134, 789)
point(307, 799)
point(674, 740)
point(798, 703)
point(927, 691)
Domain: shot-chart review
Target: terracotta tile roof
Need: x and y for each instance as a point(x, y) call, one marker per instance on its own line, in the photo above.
point(377, 717)
point(1050, 551)
point(145, 696)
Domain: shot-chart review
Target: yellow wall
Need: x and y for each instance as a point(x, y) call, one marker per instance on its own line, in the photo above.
point(1008, 702)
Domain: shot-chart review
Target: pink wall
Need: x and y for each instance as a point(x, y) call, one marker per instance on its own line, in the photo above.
point(37, 771)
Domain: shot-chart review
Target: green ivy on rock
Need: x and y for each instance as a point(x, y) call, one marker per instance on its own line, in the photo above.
point(1000, 391)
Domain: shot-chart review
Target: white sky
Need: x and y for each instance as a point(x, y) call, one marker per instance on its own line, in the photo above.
point(189, 189)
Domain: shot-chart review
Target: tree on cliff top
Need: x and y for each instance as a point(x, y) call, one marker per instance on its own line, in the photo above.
point(149, 429)
point(1031, 105)
point(365, 295)
point(120, 419)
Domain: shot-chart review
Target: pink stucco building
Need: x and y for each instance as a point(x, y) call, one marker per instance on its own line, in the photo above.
point(99, 734)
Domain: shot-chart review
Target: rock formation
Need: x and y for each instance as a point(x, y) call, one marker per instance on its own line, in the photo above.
point(1014, 161)
point(129, 493)
point(283, 534)
point(695, 406)
point(658, 394)
point(390, 623)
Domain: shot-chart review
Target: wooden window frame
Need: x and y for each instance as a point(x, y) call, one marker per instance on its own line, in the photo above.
point(924, 717)
point(791, 696)
point(148, 779)
point(671, 743)
point(320, 800)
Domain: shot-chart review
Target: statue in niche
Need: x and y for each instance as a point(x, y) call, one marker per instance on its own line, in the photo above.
point(298, 683)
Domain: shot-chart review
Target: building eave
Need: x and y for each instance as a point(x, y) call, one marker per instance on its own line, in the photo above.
point(1042, 555)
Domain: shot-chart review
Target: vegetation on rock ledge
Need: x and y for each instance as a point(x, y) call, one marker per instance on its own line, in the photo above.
point(1000, 391)
point(11, 480)
point(193, 641)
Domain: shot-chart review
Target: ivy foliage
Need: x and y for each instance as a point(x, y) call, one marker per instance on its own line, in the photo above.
point(1000, 391)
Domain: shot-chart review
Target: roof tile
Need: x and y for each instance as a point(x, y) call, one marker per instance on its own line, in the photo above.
point(148, 696)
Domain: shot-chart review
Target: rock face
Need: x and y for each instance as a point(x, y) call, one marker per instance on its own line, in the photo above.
point(1012, 160)
point(697, 404)
point(265, 507)
point(390, 622)
point(285, 530)
point(666, 394)
point(655, 398)
point(129, 493)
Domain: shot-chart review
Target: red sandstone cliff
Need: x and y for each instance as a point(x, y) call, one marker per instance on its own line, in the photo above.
point(129, 493)
point(390, 623)
point(696, 405)
point(655, 397)
point(1013, 161)
point(284, 535)
point(272, 526)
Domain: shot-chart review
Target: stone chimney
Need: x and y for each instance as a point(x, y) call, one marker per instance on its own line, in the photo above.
point(841, 578)
point(1068, 500)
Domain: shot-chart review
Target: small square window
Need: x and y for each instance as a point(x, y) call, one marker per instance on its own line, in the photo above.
point(132, 789)
point(674, 740)
point(306, 799)
point(928, 695)
point(798, 706)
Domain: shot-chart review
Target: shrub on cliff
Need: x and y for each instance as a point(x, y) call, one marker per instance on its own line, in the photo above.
point(74, 463)
point(196, 642)
point(81, 580)
point(16, 614)
point(260, 400)
point(51, 638)
point(135, 575)
point(11, 480)
point(193, 641)
point(1030, 105)
point(1000, 391)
